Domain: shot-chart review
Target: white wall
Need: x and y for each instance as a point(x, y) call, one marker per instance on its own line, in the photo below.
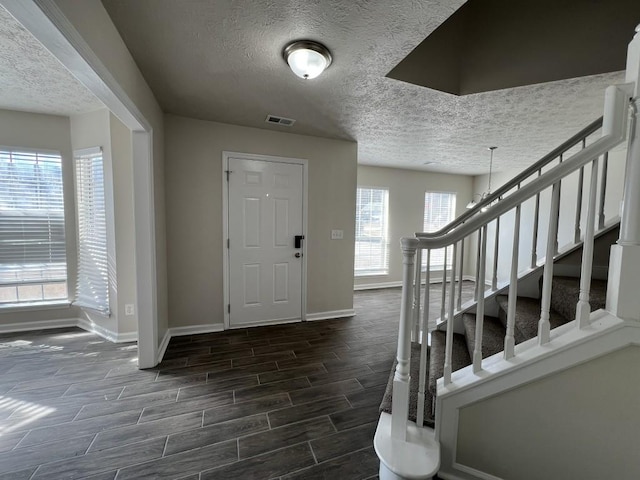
point(579, 423)
point(194, 214)
point(406, 207)
point(49, 132)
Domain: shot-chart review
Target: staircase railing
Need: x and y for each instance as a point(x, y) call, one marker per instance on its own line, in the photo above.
point(579, 140)
point(474, 229)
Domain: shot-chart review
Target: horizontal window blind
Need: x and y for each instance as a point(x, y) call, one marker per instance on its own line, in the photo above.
point(372, 249)
point(92, 287)
point(439, 210)
point(32, 233)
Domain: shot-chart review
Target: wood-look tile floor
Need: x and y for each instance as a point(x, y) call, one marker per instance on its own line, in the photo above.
point(297, 401)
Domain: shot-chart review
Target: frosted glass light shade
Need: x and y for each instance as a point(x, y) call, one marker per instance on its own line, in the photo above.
point(307, 59)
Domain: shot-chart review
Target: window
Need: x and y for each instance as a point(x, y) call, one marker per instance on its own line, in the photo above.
point(439, 210)
point(92, 288)
point(372, 249)
point(33, 261)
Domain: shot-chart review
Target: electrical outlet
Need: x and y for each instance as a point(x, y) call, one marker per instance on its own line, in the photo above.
point(129, 309)
point(337, 234)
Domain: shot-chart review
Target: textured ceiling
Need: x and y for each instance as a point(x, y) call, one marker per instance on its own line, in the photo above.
point(222, 61)
point(32, 80)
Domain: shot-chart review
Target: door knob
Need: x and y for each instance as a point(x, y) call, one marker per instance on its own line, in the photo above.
point(298, 255)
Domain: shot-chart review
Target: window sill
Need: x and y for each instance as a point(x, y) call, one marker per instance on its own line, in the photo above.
point(371, 274)
point(32, 307)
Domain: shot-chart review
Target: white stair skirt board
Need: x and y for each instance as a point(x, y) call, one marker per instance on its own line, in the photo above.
point(418, 457)
point(312, 317)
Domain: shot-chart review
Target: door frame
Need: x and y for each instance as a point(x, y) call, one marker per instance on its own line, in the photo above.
point(226, 155)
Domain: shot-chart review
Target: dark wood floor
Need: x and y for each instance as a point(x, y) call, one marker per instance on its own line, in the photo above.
point(296, 401)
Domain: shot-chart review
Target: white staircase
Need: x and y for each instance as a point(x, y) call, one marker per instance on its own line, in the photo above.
point(409, 449)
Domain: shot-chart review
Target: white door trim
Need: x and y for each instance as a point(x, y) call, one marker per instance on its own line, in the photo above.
point(46, 22)
point(225, 223)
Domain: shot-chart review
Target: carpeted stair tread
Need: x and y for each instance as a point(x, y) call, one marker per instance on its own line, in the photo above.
point(528, 316)
point(492, 334)
point(414, 371)
point(460, 356)
point(566, 292)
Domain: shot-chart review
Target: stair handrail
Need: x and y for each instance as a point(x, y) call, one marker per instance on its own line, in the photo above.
point(517, 180)
point(613, 133)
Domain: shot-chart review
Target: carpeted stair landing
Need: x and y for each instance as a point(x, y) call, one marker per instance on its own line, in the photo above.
point(564, 297)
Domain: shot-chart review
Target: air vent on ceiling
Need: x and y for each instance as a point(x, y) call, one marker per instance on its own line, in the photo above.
point(285, 122)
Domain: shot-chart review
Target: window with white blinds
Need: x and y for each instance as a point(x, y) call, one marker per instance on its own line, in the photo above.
point(372, 249)
point(92, 286)
point(439, 210)
point(33, 262)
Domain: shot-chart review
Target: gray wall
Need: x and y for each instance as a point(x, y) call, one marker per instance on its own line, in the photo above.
point(406, 207)
point(194, 214)
point(581, 423)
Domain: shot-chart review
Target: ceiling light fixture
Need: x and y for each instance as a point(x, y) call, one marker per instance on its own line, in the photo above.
point(307, 59)
point(473, 203)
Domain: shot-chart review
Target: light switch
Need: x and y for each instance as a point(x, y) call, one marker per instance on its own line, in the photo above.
point(337, 234)
point(129, 309)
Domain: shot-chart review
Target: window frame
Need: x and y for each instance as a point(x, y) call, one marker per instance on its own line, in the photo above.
point(383, 268)
point(53, 274)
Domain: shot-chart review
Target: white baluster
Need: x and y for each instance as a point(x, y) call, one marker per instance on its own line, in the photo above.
point(544, 328)
point(444, 286)
point(401, 379)
point(477, 348)
point(578, 233)
point(461, 274)
point(478, 289)
point(509, 340)
point(448, 352)
point(424, 347)
point(603, 190)
point(496, 246)
point(416, 296)
point(536, 219)
point(583, 309)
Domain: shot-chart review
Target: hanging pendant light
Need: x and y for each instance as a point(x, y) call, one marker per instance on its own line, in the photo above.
point(307, 59)
point(484, 195)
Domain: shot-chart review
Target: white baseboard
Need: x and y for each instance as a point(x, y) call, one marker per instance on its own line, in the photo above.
point(70, 322)
point(106, 333)
point(163, 345)
point(194, 330)
point(312, 317)
point(39, 325)
point(374, 286)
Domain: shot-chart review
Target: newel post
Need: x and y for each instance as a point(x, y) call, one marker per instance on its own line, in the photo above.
point(400, 402)
point(624, 266)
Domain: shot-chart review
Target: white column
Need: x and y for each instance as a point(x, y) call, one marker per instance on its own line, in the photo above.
point(401, 379)
point(624, 266)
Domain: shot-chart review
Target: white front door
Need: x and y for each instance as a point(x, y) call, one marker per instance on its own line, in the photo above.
point(265, 267)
